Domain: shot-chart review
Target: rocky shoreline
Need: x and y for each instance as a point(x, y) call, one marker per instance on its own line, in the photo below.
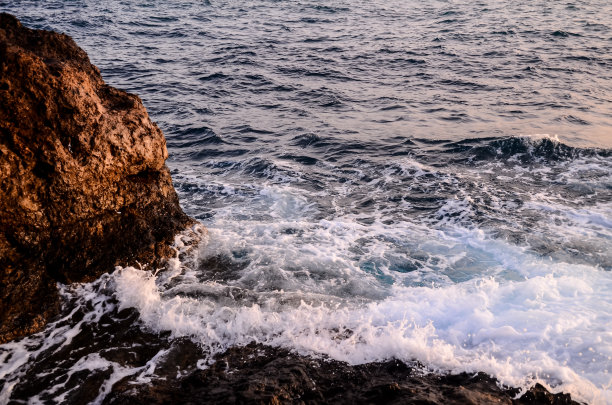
point(147, 367)
point(86, 188)
point(266, 375)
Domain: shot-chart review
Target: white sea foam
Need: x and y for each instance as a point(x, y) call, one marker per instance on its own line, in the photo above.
point(553, 326)
point(465, 301)
point(332, 287)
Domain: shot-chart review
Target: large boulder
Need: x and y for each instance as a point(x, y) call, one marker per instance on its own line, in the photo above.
point(83, 181)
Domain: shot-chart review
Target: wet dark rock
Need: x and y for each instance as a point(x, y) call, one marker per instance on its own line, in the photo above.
point(82, 173)
point(177, 373)
point(264, 375)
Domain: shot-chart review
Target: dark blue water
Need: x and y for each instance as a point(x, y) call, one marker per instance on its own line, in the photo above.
point(270, 71)
point(435, 178)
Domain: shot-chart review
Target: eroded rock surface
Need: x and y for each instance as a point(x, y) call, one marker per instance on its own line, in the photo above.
point(82, 174)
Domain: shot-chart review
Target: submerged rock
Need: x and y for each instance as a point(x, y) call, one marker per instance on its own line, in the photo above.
point(82, 173)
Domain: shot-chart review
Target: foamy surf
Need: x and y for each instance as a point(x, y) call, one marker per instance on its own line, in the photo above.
point(546, 323)
point(496, 265)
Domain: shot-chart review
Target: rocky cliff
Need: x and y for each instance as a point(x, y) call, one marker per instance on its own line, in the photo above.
point(82, 174)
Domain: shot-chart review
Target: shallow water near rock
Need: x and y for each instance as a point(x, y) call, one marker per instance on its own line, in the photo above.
point(426, 183)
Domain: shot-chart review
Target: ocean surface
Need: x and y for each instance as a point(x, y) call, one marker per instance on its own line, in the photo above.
point(426, 181)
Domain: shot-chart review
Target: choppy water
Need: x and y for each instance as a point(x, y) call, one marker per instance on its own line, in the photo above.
point(391, 179)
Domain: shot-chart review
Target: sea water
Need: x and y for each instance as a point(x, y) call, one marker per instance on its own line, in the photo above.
point(429, 182)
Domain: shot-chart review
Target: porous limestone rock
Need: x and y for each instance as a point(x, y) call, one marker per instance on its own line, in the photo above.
point(83, 180)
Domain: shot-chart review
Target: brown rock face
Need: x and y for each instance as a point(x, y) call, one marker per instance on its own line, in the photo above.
point(83, 179)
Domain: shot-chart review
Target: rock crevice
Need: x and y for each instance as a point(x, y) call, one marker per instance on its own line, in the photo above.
point(82, 173)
